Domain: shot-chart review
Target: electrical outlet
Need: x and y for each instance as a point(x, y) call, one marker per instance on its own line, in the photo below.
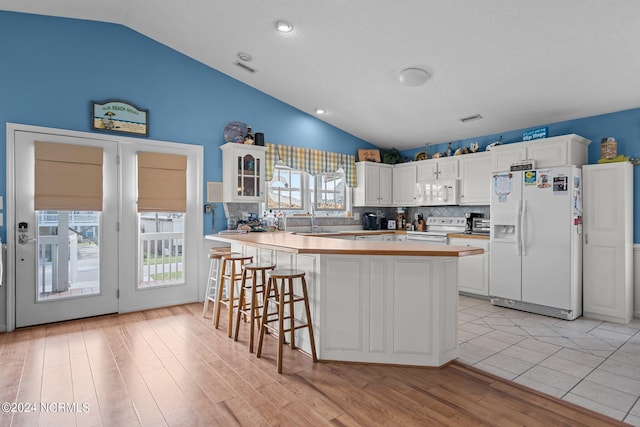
point(208, 209)
point(356, 216)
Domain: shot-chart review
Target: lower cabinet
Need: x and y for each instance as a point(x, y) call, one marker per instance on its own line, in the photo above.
point(473, 270)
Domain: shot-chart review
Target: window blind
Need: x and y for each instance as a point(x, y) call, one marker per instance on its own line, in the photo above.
point(68, 177)
point(311, 161)
point(162, 182)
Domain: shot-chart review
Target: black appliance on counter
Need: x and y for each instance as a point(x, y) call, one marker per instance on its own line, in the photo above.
point(369, 221)
point(470, 216)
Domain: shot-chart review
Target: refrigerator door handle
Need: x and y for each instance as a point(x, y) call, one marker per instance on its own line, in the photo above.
point(523, 237)
point(517, 227)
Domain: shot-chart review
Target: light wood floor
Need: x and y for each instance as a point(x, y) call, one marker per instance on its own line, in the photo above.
point(170, 367)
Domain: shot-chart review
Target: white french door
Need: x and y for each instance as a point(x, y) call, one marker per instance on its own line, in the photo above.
point(65, 261)
point(164, 245)
point(70, 264)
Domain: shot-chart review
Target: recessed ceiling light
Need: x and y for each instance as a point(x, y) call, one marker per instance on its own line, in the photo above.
point(244, 56)
point(413, 77)
point(284, 26)
point(320, 111)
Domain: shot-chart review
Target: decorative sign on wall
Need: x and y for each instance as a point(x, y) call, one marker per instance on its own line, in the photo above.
point(535, 134)
point(119, 116)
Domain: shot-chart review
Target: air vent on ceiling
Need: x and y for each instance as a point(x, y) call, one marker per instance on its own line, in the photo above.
point(471, 118)
point(245, 67)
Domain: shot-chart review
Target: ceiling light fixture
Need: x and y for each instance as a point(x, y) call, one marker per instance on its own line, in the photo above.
point(284, 26)
point(413, 77)
point(321, 111)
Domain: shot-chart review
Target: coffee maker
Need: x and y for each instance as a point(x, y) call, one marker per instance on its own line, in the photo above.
point(469, 225)
point(369, 221)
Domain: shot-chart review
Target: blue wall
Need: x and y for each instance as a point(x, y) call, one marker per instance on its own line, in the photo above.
point(52, 68)
point(624, 126)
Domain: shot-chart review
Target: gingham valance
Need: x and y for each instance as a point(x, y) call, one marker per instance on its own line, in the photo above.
point(311, 161)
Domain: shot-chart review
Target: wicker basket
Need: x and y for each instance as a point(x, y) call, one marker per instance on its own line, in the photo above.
point(608, 148)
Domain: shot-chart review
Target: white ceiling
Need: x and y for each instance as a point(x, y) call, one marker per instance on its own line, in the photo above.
point(518, 63)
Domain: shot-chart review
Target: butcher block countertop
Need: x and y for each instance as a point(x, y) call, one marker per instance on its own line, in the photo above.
point(470, 236)
point(296, 243)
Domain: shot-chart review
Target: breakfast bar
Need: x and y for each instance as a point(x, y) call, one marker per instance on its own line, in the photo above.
point(371, 301)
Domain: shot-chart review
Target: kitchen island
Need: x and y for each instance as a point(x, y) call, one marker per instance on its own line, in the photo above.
point(371, 301)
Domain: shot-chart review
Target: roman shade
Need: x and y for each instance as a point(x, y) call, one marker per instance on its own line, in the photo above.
point(162, 182)
point(311, 161)
point(67, 177)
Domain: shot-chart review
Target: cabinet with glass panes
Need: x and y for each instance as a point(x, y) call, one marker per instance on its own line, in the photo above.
point(243, 172)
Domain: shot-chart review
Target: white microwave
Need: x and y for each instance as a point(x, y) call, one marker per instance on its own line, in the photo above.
point(438, 192)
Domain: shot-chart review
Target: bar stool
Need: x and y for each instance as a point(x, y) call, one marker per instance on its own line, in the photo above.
point(285, 297)
point(215, 255)
point(230, 274)
point(254, 288)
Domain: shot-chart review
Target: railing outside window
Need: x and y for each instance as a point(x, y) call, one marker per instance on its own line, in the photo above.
point(160, 259)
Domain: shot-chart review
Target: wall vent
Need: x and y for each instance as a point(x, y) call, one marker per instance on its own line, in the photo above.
point(245, 67)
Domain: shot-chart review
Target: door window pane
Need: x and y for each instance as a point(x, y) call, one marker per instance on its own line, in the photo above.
point(160, 244)
point(68, 244)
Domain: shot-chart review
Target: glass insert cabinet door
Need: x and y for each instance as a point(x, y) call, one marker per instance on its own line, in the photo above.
point(243, 173)
point(249, 176)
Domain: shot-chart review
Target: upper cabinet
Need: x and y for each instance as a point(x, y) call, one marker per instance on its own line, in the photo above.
point(549, 152)
point(243, 173)
point(475, 179)
point(404, 184)
point(374, 184)
point(442, 168)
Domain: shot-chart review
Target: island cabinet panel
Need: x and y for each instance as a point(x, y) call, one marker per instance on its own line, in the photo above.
point(379, 313)
point(413, 318)
point(388, 309)
point(342, 325)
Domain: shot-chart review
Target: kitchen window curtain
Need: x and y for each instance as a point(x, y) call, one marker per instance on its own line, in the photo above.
point(162, 182)
point(311, 161)
point(67, 177)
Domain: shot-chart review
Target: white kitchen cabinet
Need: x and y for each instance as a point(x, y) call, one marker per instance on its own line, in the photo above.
point(394, 237)
point(473, 270)
point(607, 266)
point(374, 187)
point(404, 184)
point(243, 173)
point(548, 152)
point(475, 179)
point(442, 168)
point(376, 237)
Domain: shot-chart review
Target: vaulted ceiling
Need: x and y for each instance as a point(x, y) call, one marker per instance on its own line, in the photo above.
point(517, 63)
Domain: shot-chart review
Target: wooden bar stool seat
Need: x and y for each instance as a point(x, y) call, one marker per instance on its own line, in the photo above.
point(230, 276)
point(280, 292)
point(215, 255)
point(255, 290)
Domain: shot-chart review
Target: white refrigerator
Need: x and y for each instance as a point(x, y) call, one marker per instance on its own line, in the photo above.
point(536, 241)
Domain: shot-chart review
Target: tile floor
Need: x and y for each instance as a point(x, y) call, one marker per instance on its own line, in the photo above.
point(588, 362)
